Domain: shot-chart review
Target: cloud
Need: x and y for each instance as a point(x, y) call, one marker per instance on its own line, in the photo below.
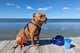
point(66, 8)
point(45, 8)
point(42, 9)
point(70, 9)
point(30, 8)
point(13, 5)
point(39, 9)
point(10, 4)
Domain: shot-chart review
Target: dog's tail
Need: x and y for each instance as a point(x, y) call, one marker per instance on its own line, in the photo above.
point(15, 47)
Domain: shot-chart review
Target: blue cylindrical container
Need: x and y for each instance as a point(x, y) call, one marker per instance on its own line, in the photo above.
point(58, 40)
point(67, 43)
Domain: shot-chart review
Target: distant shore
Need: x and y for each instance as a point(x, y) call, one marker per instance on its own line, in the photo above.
point(26, 20)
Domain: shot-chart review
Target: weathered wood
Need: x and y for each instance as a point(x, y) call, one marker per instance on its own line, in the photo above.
point(6, 47)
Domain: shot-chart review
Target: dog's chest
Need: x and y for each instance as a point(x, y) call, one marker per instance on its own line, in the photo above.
point(37, 31)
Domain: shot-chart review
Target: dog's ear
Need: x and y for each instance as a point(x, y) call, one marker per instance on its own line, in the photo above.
point(34, 14)
point(33, 19)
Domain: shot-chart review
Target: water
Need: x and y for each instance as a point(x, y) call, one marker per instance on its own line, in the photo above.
point(8, 30)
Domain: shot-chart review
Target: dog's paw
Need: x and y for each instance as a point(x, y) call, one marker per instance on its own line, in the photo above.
point(35, 46)
point(38, 44)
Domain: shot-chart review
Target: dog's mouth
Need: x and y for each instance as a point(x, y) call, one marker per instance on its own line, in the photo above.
point(45, 21)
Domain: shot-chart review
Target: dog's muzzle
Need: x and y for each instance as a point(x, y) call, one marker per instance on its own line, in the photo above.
point(46, 20)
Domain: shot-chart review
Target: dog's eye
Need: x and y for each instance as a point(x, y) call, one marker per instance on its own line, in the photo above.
point(40, 16)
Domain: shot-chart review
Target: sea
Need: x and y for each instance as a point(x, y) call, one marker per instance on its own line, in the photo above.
point(66, 27)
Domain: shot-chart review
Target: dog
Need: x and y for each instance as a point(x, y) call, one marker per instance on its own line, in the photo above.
point(31, 30)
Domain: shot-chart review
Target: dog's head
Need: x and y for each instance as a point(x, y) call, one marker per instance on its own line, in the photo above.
point(39, 17)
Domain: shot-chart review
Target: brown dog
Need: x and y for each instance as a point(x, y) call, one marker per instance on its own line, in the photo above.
point(31, 30)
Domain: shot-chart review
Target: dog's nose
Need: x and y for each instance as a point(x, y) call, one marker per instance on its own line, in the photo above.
point(46, 18)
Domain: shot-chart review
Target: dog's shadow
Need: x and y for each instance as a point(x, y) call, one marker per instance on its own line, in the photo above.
point(42, 42)
point(45, 42)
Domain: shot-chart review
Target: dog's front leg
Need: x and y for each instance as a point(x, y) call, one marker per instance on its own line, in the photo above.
point(38, 39)
point(32, 39)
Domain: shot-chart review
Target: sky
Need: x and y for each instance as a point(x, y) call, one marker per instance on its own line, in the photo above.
point(54, 9)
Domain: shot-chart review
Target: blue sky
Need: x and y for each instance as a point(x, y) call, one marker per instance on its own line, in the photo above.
point(54, 9)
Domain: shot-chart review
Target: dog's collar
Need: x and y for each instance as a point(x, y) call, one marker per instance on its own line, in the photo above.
point(36, 24)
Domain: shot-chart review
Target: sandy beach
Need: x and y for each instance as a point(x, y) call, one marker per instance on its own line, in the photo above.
point(45, 47)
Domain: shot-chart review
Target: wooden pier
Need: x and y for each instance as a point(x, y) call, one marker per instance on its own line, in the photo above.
point(6, 46)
